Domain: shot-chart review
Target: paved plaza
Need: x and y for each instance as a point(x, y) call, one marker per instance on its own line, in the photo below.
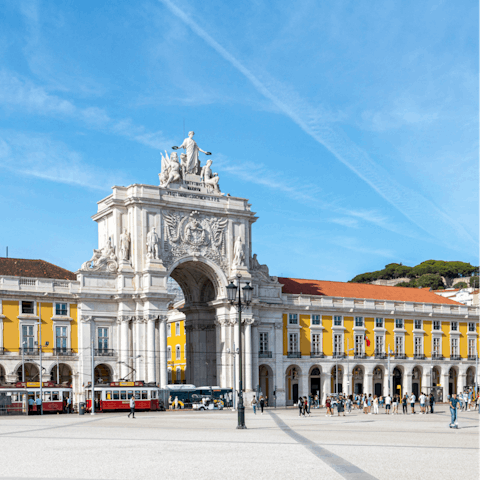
point(206, 445)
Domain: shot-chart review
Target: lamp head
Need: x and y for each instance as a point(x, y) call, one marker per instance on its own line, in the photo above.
point(231, 292)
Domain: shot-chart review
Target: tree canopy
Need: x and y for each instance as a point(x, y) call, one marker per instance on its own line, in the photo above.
point(428, 273)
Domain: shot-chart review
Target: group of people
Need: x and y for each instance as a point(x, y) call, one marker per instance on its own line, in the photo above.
point(261, 402)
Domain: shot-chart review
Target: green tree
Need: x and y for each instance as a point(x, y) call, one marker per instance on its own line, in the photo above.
point(475, 282)
point(430, 280)
point(411, 284)
point(460, 285)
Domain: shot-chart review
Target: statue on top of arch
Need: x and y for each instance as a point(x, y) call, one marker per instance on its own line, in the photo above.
point(188, 168)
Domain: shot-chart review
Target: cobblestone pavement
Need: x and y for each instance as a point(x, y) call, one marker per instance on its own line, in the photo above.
point(206, 445)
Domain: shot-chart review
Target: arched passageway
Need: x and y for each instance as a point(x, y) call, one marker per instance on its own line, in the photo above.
point(436, 376)
point(378, 380)
point(470, 378)
point(417, 381)
point(292, 377)
point(358, 379)
point(103, 373)
point(31, 372)
point(201, 285)
point(452, 380)
point(266, 379)
point(314, 381)
point(61, 375)
point(336, 382)
point(397, 381)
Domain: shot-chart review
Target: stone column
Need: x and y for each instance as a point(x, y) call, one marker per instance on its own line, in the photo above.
point(151, 349)
point(163, 352)
point(326, 379)
point(461, 382)
point(407, 383)
point(248, 355)
point(237, 345)
point(219, 353)
point(279, 370)
point(347, 382)
point(138, 349)
point(445, 377)
point(303, 386)
point(368, 383)
point(124, 350)
point(255, 340)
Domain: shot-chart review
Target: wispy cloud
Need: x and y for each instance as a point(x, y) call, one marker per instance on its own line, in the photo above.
point(414, 206)
point(352, 244)
point(41, 157)
point(17, 92)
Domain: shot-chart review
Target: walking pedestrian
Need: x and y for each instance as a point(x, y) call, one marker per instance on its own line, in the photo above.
point(132, 406)
point(412, 402)
point(254, 405)
point(38, 403)
point(404, 404)
point(395, 405)
point(375, 405)
point(69, 405)
point(431, 401)
point(388, 403)
point(328, 405)
point(453, 410)
point(340, 406)
point(422, 399)
point(262, 404)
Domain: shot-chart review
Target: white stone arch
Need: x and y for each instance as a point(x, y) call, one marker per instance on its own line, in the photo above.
point(417, 375)
point(453, 375)
point(398, 376)
point(359, 385)
point(379, 375)
point(53, 372)
point(338, 378)
point(266, 381)
point(315, 380)
point(103, 371)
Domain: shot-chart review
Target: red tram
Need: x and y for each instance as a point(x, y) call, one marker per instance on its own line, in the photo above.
point(115, 396)
point(23, 397)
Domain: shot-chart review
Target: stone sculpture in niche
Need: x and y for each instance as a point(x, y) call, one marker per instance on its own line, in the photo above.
point(195, 235)
point(125, 245)
point(191, 149)
point(238, 253)
point(152, 244)
point(104, 259)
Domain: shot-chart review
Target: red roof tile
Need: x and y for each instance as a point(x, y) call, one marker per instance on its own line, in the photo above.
point(24, 267)
point(361, 290)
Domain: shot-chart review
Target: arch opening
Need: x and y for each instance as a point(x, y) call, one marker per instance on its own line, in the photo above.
point(201, 284)
point(62, 374)
point(32, 372)
point(266, 381)
point(315, 381)
point(103, 373)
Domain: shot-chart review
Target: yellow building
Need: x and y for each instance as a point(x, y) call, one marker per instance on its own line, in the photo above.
point(38, 312)
point(176, 347)
point(347, 337)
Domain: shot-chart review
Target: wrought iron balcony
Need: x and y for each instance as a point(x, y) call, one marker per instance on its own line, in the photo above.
point(317, 355)
point(419, 356)
point(104, 352)
point(380, 355)
point(472, 357)
point(359, 355)
point(400, 356)
point(30, 351)
point(294, 355)
point(338, 355)
point(264, 354)
point(455, 357)
point(437, 356)
point(63, 352)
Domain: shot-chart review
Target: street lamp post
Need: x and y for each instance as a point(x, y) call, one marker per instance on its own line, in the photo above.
point(389, 352)
point(235, 352)
point(247, 298)
point(23, 361)
point(348, 369)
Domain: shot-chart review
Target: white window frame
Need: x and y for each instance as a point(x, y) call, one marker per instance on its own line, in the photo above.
point(359, 320)
point(403, 323)
point(472, 341)
point(415, 324)
point(109, 337)
point(263, 343)
point(316, 318)
point(382, 338)
point(170, 375)
point(382, 320)
point(437, 340)
point(454, 322)
point(454, 347)
point(402, 343)
point(358, 344)
point(473, 330)
point(418, 340)
point(439, 323)
point(178, 352)
point(169, 353)
point(62, 303)
point(295, 343)
point(316, 343)
point(291, 317)
point(20, 312)
point(178, 374)
point(335, 317)
point(169, 329)
point(342, 343)
point(177, 329)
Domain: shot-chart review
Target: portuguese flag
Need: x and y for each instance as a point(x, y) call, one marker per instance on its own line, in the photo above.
point(367, 340)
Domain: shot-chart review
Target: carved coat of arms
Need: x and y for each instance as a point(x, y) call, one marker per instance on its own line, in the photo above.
point(195, 235)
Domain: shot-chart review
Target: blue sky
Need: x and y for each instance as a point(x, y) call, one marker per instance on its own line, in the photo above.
point(352, 127)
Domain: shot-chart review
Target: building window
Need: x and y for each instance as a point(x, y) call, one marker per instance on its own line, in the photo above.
point(436, 325)
point(418, 345)
point(398, 323)
point(337, 321)
point(178, 353)
point(379, 344)
point(102, 334)
point(169, 375)
point(337, 344)
point(454, 326)
point(28, 308)
point(28, 339)
point(418, 324)
point(178, 375)
point(169, 353)
point(316, 320)
point(436, 347)
point(263, 347)
point(454, 347)
point(293, 319)
point(293, 342)
point(471, 347)
point(358, 344)
point(316, 343)
point(359, 321)
point(471, 327)
point(177, 329)
point(169, 330)
point(61, 339)
point(398, 345)
point(379, 322)
point(61, 309)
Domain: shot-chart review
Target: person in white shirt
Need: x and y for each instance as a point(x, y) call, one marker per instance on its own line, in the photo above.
point(388, 403)
point(422, 399)
point(412, 402)
point(375, 405)
point(132, 407)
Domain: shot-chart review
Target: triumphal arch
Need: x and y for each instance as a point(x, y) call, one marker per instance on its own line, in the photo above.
point(189, 230)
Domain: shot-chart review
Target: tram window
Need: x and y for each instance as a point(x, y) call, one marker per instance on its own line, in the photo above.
point(47, 396)
point(130, 394)
point(144, 394)
point(108, 395)
point(154, 394)
point(123, 395)
point(116, 395)
point(55, 396)
point(137, 395)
